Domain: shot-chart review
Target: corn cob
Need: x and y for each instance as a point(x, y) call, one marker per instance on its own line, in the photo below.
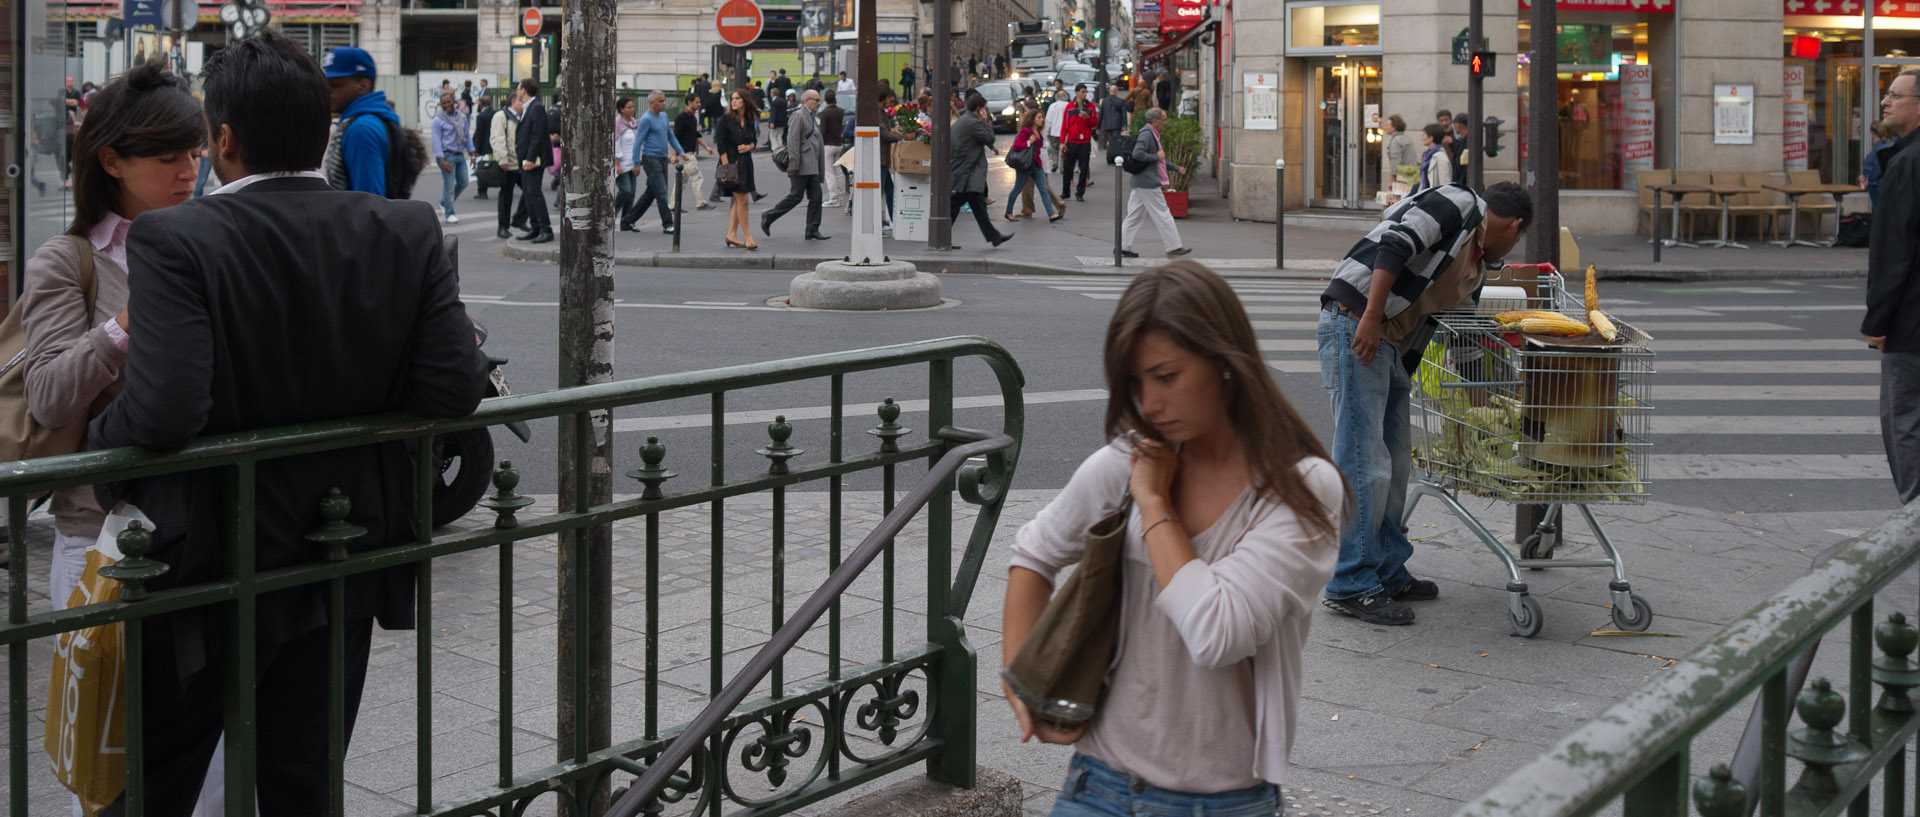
point(1593, 291)
point(1604, 326)
point(1557, 325)
point(1523, 314)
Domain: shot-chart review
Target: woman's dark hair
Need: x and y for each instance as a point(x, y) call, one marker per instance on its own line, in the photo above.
point(748, 112)
point(622, 103)
point(1197, 310)
point(1435, 132)
point(271, 92)
point(147, 111)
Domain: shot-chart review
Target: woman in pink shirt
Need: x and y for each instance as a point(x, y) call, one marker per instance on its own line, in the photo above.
point(1036, 175)
point(1233, 534)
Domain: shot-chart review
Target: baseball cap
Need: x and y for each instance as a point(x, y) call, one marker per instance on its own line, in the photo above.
point(347, 61)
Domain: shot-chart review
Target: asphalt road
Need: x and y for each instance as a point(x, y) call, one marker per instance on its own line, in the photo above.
point(1764, 394)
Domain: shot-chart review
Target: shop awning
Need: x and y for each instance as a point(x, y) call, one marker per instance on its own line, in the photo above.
point(1186, 38)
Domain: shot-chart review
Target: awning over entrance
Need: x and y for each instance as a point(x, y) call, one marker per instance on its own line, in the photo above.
point(1187, 38)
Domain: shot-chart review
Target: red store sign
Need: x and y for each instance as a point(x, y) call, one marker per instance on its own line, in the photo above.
point(1853, 8)
point(1629, 6)
point(1179, 15)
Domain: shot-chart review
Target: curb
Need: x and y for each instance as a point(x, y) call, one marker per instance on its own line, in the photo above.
point(968, 265)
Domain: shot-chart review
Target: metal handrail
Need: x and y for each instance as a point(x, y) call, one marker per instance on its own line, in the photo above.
point(650, 784)
point(1634, 738)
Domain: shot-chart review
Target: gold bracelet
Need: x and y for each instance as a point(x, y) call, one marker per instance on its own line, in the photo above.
point(1164, 519)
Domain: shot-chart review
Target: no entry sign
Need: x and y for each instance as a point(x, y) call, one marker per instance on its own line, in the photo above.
point(531, 22)
point(739, 22)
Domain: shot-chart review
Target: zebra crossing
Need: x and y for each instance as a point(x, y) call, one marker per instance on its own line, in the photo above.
point(1753, 384)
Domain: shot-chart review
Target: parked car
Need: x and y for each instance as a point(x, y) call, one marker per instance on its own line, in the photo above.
point(1073, 75)
point(1003, 101)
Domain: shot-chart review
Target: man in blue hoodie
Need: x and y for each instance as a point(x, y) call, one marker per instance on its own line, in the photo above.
point(358, 154)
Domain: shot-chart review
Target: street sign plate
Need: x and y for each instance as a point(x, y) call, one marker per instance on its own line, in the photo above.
point(531, 22)
point(739, 22)
point(1462, 50)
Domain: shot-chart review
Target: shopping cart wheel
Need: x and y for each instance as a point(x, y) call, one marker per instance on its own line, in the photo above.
point(1526, 617)
point(1636, 621)
point(1536, 546)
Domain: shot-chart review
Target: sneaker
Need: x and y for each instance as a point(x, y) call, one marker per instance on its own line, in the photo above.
point(1375, 609)
point(1129, 254)
point(453, 219)
point(1178, 251)
point(1418, 590)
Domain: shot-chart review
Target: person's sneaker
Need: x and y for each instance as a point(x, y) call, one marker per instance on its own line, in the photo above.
point(1375, 609)
point(453, 219)
point(1129, 254)
point(1418, 590)
point(1178, 251)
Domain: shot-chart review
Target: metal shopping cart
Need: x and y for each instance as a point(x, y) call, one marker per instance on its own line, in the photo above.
point(1535, 420)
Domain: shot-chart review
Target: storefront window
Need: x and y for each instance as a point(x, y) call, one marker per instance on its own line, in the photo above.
point(1605, 98)
point(1333, 26)
point(1828, 68)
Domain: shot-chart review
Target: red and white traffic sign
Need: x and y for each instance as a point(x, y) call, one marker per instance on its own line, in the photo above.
point(739, 22)
point(531, 22)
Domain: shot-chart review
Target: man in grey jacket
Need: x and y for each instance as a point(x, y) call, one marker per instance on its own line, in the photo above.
point(806, 152)
point(1145, 198)
point(972, 136)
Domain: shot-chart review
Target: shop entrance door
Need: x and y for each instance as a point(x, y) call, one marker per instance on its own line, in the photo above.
point(1343, 134)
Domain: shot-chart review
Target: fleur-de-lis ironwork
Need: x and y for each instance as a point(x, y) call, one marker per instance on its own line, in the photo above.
point(780, 743)
point(890, 707)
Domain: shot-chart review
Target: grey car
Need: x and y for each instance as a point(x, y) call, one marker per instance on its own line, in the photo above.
point(1003, 101)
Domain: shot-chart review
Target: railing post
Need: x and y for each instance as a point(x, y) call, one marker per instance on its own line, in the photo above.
point(1773, 746)
point(1663, 792)
point(955, 712)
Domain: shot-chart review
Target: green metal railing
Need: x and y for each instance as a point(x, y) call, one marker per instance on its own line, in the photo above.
point(895, 727)
point(1639, 752)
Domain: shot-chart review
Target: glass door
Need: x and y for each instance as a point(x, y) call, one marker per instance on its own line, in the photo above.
point(1344, 134)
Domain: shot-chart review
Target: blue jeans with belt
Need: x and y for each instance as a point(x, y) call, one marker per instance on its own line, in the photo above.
point(454, 181)
point(655, 169)
point(1094, 789)
point(1373, 447)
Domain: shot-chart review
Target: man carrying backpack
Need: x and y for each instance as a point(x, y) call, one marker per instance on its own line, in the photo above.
point(361, 150)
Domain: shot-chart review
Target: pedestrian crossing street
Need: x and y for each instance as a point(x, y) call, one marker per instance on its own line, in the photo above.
point(1742, 391)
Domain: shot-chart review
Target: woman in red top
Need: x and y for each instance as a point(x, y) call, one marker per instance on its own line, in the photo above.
point(1037, 175)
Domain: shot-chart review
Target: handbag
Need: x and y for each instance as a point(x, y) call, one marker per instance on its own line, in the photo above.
point(1061, 669)
point(781, 157)
point(1022, 159)
point(488, 172)
point(727, 175)
point(21, 437)
point(86, 727)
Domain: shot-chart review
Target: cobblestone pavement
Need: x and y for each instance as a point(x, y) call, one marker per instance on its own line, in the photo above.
point(1409, 720)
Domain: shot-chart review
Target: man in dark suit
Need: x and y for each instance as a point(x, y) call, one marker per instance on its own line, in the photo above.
point(273, 301)
point(534, 146)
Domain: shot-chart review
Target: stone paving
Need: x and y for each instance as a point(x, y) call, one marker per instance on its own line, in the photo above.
point(1411, 720)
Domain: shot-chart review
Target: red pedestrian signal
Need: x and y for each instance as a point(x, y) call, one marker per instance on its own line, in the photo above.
point(1480, 64)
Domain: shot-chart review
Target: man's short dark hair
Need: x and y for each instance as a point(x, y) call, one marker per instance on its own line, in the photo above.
point(1078, 87)
point(271, 92)
point(1443, 114)
point(975, 102)
point(531, 86)
point(1509, 200)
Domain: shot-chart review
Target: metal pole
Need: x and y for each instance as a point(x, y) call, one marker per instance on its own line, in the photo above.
point(1102, 20)
point(1869, 97)
point(1120, 193)
point(1542, 175)
point(866, 246)
point(1279, 214)
point(940, 218)
point(679, 193)
point(586, 227)
point(1476, 104)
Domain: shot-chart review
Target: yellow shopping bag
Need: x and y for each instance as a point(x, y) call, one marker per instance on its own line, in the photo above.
point(86, 706)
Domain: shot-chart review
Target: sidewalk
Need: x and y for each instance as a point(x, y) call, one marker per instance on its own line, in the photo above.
point(1082, 242)
point(1407, 721)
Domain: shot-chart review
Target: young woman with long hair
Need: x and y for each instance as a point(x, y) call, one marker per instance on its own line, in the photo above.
point(1036, 175)
point(734, 135)
point(1233, 534)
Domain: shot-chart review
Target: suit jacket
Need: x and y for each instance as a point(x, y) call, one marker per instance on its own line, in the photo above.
point(968, 162)
point(534, 142)
point(285, 302)
point(806, 148)
point(1893, 250)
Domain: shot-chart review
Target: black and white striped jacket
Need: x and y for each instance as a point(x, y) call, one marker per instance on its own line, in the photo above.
point(1417, 239)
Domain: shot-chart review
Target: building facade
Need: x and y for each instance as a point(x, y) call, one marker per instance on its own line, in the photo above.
point(1715, 85)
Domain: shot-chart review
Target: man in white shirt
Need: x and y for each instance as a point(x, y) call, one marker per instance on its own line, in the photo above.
point(845, 88)
point(1056, 118)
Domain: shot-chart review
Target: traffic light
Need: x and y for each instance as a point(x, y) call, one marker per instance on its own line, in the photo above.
point(1098, 33)
point(1481, 64)
point(1490, 135)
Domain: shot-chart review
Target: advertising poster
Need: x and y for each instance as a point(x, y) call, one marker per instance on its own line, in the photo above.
point(1261, 105)
point(1732, 113)
point(1636, 90)
point(1793, 135)
point(816, 26)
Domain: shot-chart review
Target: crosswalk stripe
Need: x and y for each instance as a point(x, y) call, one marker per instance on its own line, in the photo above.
point(1667, 366)
point(1768, 467)
point(1681, 347)
point(1658, 328)
point(1663, 393)
point(1803, 424)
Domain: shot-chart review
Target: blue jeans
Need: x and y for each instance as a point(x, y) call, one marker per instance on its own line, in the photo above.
point(623, 186)
point(454, 182)
point(1038, 177)
point(1094, 789)
point(1372, 445)
point(655, 169)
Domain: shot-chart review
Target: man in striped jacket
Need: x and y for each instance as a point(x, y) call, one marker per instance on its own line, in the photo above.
point(1428, 254)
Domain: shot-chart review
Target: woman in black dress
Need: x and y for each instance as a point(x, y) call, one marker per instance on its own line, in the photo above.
point(735, 135)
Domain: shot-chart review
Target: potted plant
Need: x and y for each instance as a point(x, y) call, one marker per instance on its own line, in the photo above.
point(1182, 142)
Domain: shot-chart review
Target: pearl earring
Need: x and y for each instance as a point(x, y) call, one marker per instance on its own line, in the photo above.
point(1226, 374)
